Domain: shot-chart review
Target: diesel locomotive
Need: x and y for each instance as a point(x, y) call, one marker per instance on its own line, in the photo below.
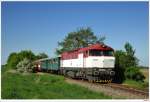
point(95, 62)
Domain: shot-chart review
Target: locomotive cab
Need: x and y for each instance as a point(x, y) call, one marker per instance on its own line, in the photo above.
point(102, 59)
point(99, 61)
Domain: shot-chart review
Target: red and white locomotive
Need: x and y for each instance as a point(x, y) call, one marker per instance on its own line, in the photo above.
point(95, 62)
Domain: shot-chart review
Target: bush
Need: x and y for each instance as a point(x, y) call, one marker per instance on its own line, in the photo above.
point(24, 66)
point(134, 73)
point(119, 66)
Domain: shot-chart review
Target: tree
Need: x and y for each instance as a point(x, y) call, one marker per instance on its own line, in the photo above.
point(26, 54)
point(15, 58)
point(126, 58)
point(22, 61)
point(12, 60)
point(100, 39)
point(131, 60)
point(126, 65)
point(41, 55)
point(129, 49)
point(78, 39)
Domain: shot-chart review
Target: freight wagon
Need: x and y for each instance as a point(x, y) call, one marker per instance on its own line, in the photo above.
point(95, 62)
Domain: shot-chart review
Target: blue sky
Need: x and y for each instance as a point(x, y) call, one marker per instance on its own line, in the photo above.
point(38, 26)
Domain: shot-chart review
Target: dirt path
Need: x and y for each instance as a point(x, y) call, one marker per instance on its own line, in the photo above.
point(106, 90)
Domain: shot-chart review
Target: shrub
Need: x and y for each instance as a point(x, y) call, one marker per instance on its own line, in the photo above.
point(134, 73)
point(119, 66)
point(24, 66)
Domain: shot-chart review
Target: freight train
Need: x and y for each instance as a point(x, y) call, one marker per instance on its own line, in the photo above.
point(95, 62)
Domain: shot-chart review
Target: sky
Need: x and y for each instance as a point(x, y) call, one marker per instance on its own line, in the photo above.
point(38, 26)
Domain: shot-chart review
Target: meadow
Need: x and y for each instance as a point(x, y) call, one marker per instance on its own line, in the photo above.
point(42, 86)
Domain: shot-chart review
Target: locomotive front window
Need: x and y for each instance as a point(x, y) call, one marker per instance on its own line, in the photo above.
point(100, 53)
point(95, 53)
point(108, 53)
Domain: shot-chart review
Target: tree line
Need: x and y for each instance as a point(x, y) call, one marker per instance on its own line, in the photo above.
point(22, 61)
point(126, 64)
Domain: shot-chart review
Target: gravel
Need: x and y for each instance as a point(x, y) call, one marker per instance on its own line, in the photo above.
point(107, 90)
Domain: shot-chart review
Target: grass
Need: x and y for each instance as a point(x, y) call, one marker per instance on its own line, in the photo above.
point(43, 86)
point(137, 85)
point(145, 73)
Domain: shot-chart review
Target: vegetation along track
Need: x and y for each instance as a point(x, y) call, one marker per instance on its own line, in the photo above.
point(111, 89)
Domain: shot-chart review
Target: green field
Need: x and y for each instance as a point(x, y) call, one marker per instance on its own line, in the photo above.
point(42, 86)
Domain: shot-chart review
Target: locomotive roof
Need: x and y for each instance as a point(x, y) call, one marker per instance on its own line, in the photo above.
point(97, 46)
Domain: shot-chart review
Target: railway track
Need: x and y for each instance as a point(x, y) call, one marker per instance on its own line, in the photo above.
point(112, 89)
point(128, 89)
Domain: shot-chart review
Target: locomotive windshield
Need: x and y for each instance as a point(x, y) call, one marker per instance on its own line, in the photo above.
point(100, 53)
point(108, 53)
point(95, 53)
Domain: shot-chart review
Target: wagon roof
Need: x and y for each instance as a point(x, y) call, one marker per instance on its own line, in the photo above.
point(39, 60)
point(43, 59)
